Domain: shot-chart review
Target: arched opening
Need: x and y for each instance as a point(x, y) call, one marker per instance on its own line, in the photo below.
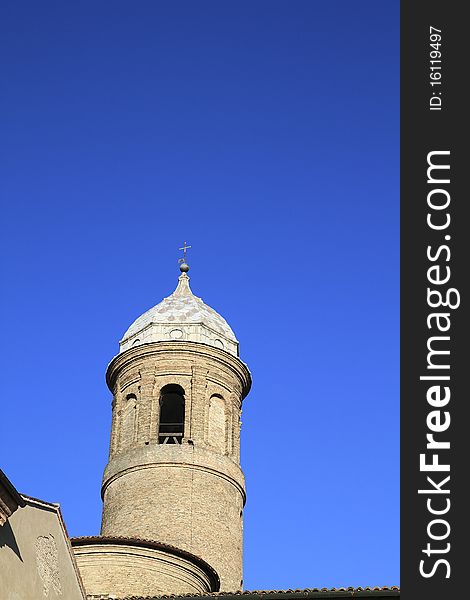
point(171, 429)
point(217, 425)
point(129, 421)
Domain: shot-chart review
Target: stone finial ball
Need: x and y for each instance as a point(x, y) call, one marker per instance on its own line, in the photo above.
point(184, 268)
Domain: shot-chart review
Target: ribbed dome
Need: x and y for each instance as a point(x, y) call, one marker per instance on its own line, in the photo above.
point(181, 316)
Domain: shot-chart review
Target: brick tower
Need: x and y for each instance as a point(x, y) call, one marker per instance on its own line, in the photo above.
point(174, 475)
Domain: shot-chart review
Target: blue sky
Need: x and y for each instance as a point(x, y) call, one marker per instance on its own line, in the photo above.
point(266, 134)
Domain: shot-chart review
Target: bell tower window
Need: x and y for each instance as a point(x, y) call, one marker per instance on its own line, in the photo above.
point(171, 429)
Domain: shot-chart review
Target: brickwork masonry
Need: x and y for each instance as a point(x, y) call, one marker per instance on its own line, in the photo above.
point(189, 495)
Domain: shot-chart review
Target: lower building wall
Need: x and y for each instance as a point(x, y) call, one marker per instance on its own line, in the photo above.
point(125, 570)
point(183, 496)
point(36, 560)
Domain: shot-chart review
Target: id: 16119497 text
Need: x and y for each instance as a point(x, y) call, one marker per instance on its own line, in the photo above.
point(435, 63)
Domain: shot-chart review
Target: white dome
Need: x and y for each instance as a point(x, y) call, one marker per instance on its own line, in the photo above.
point(181, 316)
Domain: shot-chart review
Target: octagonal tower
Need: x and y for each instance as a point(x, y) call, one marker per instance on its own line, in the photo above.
point(174, 473)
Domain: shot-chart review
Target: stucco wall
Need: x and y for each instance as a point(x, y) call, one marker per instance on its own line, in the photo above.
point(36, 560)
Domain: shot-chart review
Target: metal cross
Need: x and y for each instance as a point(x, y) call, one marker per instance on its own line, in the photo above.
point(184, 249)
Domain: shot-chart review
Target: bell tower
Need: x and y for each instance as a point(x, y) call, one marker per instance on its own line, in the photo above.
point(174, 475)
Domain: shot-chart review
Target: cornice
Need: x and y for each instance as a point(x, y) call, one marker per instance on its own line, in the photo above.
point(181, 348)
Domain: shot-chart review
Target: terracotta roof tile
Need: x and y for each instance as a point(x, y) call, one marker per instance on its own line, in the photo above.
point(307, 593)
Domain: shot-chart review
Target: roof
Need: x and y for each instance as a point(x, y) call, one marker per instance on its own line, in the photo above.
point(181, 316)
point(10, 499)
point(306, 594)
